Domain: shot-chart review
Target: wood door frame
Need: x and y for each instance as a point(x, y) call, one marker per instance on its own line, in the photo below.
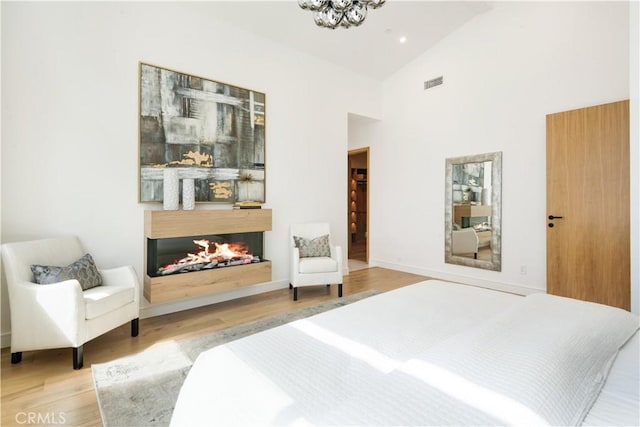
point(366, 151)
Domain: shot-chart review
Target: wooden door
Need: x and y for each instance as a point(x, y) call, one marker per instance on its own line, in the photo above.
point(588, 249)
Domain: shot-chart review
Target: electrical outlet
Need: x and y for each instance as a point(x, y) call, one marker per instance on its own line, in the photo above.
point(523, 270)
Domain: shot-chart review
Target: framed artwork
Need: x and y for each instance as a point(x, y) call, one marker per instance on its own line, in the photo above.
point(210, 131)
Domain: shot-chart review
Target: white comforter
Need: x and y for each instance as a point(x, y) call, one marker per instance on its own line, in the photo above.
point(428, 354)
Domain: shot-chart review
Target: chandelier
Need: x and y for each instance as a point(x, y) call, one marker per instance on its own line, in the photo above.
point(344, 13)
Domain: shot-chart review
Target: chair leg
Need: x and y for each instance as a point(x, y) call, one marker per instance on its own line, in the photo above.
point(290, 286)
point(16, 357)
point(135, 327)
point(78, 354)
point(339, 290)
point(295, 294)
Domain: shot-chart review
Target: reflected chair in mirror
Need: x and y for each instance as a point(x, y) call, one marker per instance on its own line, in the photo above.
point(464, 242)
point(56, 312)
point(315, 260)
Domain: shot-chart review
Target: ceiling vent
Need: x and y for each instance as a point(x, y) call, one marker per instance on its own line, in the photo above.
point(432, 83)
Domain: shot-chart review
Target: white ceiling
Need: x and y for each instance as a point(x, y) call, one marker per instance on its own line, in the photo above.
point(372, 49)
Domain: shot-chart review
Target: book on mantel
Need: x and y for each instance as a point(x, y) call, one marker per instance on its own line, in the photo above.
point(247, 205)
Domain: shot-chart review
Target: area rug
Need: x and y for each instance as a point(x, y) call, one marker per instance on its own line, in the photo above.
point(142, 389)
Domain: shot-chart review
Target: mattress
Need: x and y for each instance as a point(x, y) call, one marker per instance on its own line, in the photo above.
point(362, 365)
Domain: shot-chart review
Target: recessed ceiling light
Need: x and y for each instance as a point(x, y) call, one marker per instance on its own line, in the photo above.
point(403, 39)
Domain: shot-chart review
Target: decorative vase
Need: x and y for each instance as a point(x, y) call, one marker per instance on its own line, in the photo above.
point(188, 194)
point(171, 190)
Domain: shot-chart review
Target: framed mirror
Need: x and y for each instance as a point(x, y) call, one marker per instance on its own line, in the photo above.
point(473, 205)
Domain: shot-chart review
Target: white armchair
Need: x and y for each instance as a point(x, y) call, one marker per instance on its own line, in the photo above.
point(62, 314)
point(464, 242)
point(308, 269)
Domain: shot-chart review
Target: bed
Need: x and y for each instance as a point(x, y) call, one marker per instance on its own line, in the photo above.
point(433, 353)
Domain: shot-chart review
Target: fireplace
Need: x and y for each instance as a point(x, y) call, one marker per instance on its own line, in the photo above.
point(193, 253)
point(180, 255)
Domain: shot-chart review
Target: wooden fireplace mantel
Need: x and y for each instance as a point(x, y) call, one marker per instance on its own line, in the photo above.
point(168, 224)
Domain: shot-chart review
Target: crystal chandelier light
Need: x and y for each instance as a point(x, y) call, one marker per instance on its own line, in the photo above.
point(344, 13)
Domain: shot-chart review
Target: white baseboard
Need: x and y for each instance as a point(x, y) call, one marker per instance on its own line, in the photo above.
point(467, 280)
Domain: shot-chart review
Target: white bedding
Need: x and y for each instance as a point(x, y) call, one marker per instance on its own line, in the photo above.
point(619, 401)
point(420, 355)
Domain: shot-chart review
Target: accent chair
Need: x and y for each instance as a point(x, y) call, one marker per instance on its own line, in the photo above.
point(57, 312)
point(464, 242)
point(315, 260)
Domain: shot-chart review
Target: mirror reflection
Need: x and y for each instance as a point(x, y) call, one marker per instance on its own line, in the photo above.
point(472, 235)
point(472, 209)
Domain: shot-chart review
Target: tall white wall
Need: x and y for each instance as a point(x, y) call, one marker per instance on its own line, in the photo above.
point(70, 123)
point(504, 71)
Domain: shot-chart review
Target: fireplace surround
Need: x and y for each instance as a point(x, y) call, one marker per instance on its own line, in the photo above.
point(173, 234)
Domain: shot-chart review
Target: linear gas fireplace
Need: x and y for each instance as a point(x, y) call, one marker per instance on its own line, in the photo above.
point(192, 253)
point(188, 254)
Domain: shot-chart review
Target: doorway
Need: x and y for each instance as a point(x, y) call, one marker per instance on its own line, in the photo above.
point(358, 208)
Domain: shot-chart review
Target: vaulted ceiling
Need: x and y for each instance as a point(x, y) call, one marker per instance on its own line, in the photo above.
point(372, 49)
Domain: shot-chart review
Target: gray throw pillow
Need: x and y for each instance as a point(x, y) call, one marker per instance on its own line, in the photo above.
point(313, 247)
point(83, 270)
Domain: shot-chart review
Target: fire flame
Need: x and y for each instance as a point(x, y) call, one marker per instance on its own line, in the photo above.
point(224, 252)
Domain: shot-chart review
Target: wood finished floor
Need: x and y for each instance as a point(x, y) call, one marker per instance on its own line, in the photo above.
point(45, 385)
point(358, 250)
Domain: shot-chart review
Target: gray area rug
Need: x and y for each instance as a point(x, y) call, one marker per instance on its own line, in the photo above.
point(142, 389)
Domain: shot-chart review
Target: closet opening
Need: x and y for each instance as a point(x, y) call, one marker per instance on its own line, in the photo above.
point(358, 208)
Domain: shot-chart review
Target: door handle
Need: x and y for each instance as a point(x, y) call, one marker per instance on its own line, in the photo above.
point(555, 217)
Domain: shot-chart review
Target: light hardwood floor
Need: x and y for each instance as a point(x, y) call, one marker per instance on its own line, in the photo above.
point(45, 385)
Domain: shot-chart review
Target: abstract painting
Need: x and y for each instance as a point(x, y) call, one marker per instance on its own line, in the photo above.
point(210, 131)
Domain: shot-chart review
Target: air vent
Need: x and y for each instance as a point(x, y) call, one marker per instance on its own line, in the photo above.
point(433, 82)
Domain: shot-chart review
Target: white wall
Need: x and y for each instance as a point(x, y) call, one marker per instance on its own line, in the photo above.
point(70, 123)
point(362, 131)
point(504, 71)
